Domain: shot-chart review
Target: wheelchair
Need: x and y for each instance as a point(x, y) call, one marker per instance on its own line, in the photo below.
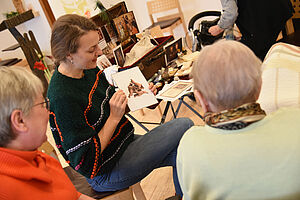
point(198, 35)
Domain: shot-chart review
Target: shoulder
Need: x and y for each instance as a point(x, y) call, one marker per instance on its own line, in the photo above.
point(51, 161)
point(286, 116)
point(286, 112)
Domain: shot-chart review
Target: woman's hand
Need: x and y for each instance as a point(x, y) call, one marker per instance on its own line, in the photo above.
point(118, 104)
point(153, 88)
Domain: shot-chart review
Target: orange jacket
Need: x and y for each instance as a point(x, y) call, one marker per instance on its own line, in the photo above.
point(33, 175)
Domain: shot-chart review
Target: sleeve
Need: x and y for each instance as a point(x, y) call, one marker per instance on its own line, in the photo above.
point(77, 141)
point(229, 15)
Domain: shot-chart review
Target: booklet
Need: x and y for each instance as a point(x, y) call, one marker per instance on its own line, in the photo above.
point(136, 88)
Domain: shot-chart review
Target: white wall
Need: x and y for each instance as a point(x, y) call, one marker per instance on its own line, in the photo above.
point(39, 25)
point(6, 39)
point(42, 31)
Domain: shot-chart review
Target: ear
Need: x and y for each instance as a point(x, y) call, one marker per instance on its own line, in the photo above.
point(69, 57)
point(201, 100)
point(17, 122)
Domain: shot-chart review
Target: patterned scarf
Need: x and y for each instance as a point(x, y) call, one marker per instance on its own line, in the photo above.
point(236, 118)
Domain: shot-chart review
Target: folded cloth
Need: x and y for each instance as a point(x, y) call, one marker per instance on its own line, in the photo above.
point(139, 50)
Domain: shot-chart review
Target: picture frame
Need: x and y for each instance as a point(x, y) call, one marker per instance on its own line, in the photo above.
point(103, 62)
point(102, 43)
point(175, 90)
point(101, 37)
point(110, 30)
point(131, 23)
point(119, 56)
point(126, 26)
point(172, 49)
point(121, 28)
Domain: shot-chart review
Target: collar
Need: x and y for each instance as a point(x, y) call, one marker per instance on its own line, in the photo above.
point(236, 118)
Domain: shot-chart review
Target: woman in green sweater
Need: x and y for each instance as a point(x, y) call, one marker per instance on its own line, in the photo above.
point(87, 115)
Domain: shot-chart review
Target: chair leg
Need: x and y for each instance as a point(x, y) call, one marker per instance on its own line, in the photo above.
point(138, 191)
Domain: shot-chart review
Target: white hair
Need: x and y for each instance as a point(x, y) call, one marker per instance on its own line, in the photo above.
point(228, 74)
point(19, 88)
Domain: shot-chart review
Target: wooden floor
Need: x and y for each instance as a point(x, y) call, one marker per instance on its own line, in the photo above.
point(159, 184)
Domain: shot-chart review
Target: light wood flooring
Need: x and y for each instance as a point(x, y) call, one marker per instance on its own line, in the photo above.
point(158, 185)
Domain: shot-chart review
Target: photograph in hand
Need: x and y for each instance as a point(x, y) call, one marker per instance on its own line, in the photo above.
point(136, 88)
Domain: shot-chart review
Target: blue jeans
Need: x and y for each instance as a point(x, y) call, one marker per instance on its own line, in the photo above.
point(157, 148)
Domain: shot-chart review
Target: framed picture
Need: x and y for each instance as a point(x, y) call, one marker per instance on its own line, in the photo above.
point(175, 90)
point(103, 62)
point(126, 25)
point(110, 30)
point(131, 23)
point(119, 56)
point(101, 37)
point(172, 49)
point(121, 28)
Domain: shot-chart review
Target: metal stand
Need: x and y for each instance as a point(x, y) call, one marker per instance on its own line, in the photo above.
point(163, 118)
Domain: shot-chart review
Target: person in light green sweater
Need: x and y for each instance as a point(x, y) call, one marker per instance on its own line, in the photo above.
point(240, 153)
point(87, 115)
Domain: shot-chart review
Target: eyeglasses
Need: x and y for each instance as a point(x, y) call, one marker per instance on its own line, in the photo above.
point(46, 104)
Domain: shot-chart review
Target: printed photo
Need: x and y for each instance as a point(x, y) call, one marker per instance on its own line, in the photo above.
point(110, 31)
point(103, 62)
point(101, 37)
point(175, 90)
point(136, 88)
point(131, 23)
point(126, 25)
point(121, 28)
point(119, 56)
point(172, 49)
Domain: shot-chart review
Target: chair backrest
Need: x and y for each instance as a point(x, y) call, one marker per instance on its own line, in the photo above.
point(289, 24)
point(296, 5)
point(161, 6)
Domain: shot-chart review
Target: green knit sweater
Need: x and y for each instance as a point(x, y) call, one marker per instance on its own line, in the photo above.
point(79, 109)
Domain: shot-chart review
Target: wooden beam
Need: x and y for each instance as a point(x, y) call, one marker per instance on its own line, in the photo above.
point(48, 11)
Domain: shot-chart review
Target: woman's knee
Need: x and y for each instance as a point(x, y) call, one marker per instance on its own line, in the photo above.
point(183, 123)
point(179, 126)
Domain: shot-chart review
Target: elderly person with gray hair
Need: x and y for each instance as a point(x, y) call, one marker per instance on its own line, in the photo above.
point(240, 153)
point(25, 172)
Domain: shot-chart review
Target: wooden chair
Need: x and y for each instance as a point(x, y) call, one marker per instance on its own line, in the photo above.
point(133, 192)
point(168, 22)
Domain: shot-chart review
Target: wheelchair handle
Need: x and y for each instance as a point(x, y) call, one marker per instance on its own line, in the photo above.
point(200, 15)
